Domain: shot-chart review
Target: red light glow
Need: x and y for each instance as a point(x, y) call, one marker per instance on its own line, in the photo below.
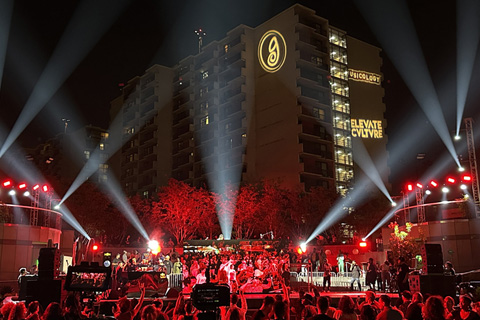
point(45, 188)
point(22, 186)
point(35, 187)
point(467, 178)
point(419, 185)
point(362, 244)
point(450, 180)
point(410, 187)
point(7, 183)
point(95, 247)
point(433, 183)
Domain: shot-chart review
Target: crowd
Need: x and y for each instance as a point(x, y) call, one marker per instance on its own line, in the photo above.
point(309, 306)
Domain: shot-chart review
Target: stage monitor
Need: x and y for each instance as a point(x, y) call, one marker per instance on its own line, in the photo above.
point(88, 278)
point(208, 296)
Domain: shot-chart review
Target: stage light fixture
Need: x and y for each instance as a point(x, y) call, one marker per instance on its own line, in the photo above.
point(433, 183)
point(410, 187)
point(428, 192)
point(154, 246)
point(461, 169)
point(303, 246)
point(56, 207)
point(35, 187)
point(467, 178)
point(451, 180)
point(419, 185)
point(363, 244)
point(22, 186)
point(12, 192)
point(463, 187)
point(7, 183)
point(445, 190)
point(457, 137)
point(26, 194)
point(394, 204)
point(45, 188)
point(95, 248)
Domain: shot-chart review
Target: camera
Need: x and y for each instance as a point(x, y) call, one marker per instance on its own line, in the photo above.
point(209, 296)
point(88, 278)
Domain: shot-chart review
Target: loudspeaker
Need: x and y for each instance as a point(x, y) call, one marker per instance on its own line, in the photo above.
point(48, 263)
point(433, 284)
point(43, 291)
point(432, 258)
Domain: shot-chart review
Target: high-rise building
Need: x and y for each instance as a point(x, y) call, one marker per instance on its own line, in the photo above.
point(288, 100)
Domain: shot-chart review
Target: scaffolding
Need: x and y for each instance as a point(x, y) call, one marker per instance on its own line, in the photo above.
point(473, 164)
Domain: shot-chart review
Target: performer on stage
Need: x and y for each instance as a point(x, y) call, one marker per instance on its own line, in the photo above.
point(327, 276)
point(356, 273)
point(341, 262)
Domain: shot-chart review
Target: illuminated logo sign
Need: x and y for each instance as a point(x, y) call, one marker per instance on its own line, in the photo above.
point(364, 76)
point(362, 128)
point(272, 51)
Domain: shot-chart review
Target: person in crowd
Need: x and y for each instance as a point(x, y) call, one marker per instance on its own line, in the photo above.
point(265, 310)
point(387, 311)
point(385, 270)
point(448, 269)
point(17, 312)
point(149, 312)
point(179, 307)
point(368, 312)
point(298, 307)
point(371, 274)
point(465, 312)
point(309, 309)
point(124, 309)
point(161, 315)
point(53, 312)
point(370, 301)
point(33, 311)
point(406, 297)
point(433, 309)
point(323, 306)
point(448, 304)
point(190, 313)
point(346, 309)
point(235, 312)
point(6, 308)
point(201, 277)
point(476, 307)
point(356, 273)
point(327, 274)
point(414, 309)
point(72, 308)
point(402, 275)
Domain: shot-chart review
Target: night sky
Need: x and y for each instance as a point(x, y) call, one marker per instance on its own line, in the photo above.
point(147, 32)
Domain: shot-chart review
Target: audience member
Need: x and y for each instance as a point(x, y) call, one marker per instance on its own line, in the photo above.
point(433, 309)
point(346, 309)
point(387, 311)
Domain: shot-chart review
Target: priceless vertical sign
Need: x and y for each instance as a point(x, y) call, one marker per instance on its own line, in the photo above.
point(272, 51)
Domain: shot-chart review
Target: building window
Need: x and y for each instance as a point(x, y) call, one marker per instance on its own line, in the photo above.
point(204, 107)
point(145, 194)
point(204, 122)
point(102, 146)
point(104, 135)
point(87, 154)
point(205, 75)
point(203, 91)
point(226, 47)
point(319, 113)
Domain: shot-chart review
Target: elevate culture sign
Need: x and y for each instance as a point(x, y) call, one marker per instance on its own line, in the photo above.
point(364, 76)
point(362, 128)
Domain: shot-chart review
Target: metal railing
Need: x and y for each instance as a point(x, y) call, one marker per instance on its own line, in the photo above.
point(336, 279)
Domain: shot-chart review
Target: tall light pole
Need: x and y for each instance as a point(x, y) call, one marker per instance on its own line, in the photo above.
point(473, 164)
point(200, 34)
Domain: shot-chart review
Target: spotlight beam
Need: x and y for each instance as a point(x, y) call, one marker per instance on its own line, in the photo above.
point(364, 161)
point(468, 36)
point(393, 27)
point(355, 197)
point(82, 33)
point(6, 8)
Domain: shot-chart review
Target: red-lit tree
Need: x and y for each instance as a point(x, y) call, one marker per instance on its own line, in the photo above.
point(273, 208)
point(246, 212)
point(180, 209)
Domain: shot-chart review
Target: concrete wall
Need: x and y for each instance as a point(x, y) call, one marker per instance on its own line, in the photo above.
point(20, 245)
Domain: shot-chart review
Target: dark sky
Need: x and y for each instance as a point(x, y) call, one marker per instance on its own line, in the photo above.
point(148, 32)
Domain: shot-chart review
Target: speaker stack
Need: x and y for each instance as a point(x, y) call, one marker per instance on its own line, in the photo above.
point(46, 287)
point(49, 263)
point(432, 259)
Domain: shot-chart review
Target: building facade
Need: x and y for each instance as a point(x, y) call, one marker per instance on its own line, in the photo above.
point(271, 102)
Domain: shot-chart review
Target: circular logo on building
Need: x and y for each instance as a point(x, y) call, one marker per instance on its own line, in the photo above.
point(272, 51)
